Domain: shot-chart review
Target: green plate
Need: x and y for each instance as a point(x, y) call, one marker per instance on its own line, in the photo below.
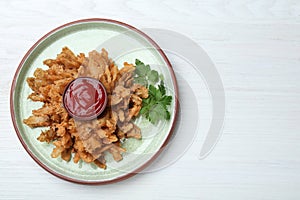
point(84, 36)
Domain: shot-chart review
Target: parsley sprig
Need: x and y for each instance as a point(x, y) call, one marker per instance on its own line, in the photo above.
point(144, 74)
point(155, 107)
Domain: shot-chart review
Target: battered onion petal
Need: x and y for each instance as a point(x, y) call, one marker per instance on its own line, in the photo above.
point(86, 140)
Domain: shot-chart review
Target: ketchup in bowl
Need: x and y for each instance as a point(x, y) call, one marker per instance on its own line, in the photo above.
point(85, 98)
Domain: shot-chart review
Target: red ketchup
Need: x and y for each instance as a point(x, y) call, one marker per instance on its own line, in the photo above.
point(85, 98)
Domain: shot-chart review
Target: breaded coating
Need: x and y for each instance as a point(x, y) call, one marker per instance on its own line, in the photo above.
point(86, 140)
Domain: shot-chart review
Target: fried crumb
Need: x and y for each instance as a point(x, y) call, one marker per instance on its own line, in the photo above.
point(86, 140)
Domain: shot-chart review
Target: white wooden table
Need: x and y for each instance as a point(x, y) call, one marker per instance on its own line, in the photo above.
point(255, 46)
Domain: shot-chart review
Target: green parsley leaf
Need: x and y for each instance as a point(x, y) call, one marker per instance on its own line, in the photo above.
point(138, 62)
point(144, 75)
point(161, 77)
point(141, 69)
point(141, 80)
point(156, 113)
point(166, 100)
point(153, 76)
point(155, 107)
point(162, 88)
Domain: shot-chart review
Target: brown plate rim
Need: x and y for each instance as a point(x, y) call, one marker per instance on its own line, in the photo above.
point(117, 179)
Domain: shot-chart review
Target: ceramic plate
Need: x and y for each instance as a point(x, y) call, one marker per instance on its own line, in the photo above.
point(124, 43)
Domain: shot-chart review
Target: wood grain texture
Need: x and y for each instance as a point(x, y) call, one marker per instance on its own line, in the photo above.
point(255, 45)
